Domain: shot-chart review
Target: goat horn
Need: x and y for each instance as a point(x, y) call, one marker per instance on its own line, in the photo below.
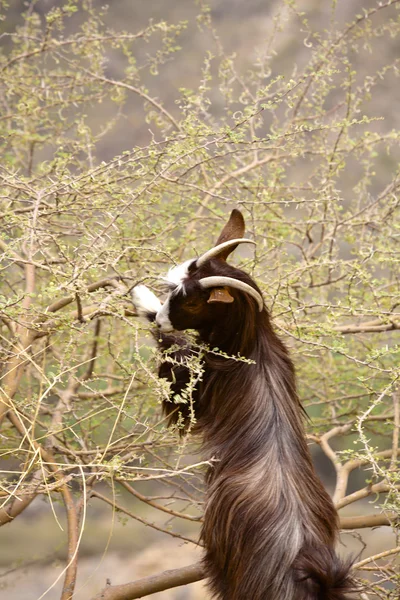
point(219, 281)
point(218, 249)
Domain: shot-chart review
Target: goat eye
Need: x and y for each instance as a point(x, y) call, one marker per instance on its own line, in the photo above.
point(193, 303)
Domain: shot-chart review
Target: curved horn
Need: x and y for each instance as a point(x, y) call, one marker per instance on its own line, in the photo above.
point(218, 249)
point(217, 281)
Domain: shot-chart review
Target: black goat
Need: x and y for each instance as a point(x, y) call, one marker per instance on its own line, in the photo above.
point(269, 526)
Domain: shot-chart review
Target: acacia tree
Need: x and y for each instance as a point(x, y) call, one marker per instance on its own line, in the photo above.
point(313, 167)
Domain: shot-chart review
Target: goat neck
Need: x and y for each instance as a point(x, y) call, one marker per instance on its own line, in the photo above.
point(262, 521)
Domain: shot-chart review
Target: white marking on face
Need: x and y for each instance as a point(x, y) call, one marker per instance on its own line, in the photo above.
point(145, 301)
point(175, 276)
point(162, 318)
point(178, 274)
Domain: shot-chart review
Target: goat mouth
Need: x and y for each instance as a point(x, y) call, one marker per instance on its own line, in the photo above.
point(165, 328)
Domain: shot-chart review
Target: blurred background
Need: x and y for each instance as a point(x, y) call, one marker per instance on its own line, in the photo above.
point(113, 547)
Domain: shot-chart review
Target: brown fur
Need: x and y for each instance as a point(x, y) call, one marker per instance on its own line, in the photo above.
point(269, 526)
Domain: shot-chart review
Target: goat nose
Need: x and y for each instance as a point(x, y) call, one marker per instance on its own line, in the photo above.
point(164, 325)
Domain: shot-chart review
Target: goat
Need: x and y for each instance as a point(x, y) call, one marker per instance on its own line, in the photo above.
point(269, 525)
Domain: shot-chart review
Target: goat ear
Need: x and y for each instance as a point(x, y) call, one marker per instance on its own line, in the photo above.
point(233, 230)
point(220, 294)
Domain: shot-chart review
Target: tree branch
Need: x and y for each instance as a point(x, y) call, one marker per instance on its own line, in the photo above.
point(151, 585)
point(121, 509)
point(369, 490)
point(72, 518)
point(20, 502)
point(14, 367)
point(185, 575)
point(363, 521)
point(150, 502)
point(369, 327)
point(376, 557)
point(73, 544)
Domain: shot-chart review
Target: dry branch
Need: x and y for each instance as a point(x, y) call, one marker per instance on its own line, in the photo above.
point(20, 501)
point(150, 502)
point(71, 219)
point(72, 518)
point(364, 521)
point(371, 327)
point(123, 510)
point(153, 584)
point(195, 572)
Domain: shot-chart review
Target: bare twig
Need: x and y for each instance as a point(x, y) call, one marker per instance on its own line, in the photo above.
point(150, 502)
point(20, 503)
point(376, 557)
point(120, 508)
point(369, 327)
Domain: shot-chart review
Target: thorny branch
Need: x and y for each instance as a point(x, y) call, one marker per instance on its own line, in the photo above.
point(79, 395)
